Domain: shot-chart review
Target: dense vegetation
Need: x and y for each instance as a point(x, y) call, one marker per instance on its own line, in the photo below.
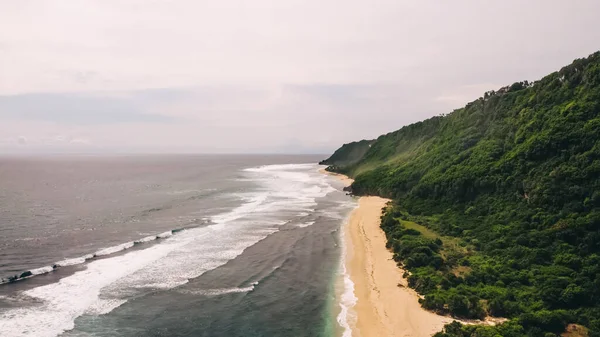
point(496, 206)
point(348, 154)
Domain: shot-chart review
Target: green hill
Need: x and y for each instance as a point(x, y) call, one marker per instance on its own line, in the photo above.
point(510, 184)
point(348, 154)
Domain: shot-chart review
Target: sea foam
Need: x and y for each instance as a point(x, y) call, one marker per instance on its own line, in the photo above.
point(42, 270)
point(306, 224)
point(346, 317)
point(220, 291)
point(74, 261)
point(165, 235)
point(114, 249)
point(107, 283)
point(146, 239)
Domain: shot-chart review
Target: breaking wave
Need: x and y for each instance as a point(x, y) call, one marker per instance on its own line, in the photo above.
point(83, 259)
point(109, 281)
point(220, 291)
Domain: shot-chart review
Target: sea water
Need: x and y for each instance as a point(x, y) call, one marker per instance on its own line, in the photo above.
point(171, 246)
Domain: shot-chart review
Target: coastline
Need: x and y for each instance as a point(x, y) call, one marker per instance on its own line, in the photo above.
point(384, 305)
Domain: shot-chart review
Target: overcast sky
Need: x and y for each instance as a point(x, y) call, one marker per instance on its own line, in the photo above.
point(263, 75)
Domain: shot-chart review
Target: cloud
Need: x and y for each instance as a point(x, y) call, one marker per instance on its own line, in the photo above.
point(288, 118)
point(266, 75)
point(91, 45)
point(80, 141)
point(76, 109)
point(22, 140)
point(65, 139)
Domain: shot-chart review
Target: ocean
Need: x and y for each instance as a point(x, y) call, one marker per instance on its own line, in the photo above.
point(170, 245)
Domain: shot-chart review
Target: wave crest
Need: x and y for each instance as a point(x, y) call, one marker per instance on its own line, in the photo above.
point(220, 291)
point(83, 259)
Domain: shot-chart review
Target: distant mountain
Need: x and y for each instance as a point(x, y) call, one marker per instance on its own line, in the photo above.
point(497, 204)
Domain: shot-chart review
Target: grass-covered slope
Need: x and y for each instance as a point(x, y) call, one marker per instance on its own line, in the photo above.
point(511, 186)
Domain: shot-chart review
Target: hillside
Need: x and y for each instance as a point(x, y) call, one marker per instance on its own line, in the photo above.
point(497, 204)
point(348, 154)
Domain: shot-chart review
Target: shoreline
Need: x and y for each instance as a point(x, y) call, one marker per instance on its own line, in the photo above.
point(384, 305)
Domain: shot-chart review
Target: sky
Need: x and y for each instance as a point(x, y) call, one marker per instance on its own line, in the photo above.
point(263, 76)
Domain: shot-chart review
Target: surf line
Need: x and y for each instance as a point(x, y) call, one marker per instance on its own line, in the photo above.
point(98, 254)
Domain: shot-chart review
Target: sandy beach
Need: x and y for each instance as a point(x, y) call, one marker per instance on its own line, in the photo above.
point(385, 306)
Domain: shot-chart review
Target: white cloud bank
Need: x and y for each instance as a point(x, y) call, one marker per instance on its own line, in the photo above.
point(263, 75)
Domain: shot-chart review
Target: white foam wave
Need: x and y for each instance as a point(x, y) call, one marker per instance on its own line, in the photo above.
point(249, 207)
point(332, 214)
point(306, 224)
point(42, 270)
point(346, 317)
point(71, 296)
point(165, 235)
point(223, 291)
point(146, 239)
point(114, 249)
point(74, 261)
point(102, 252)
point(220, 291)
point(104, 306)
